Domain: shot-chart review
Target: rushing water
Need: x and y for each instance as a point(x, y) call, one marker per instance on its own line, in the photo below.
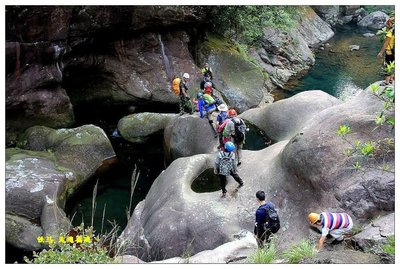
point(339, 71)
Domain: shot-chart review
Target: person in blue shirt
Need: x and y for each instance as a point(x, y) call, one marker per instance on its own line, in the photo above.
point(262, 234)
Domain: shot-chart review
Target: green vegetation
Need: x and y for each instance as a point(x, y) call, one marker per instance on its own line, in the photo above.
point(389, 247)
point(78, 246)
point(378, 149)
point(247, 23)
point(264, 255)
point(298, 252)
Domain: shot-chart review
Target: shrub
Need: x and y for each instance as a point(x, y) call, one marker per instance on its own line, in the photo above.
point(298, 252)
point(264, 255)
point(79, 246)
point(389, 247)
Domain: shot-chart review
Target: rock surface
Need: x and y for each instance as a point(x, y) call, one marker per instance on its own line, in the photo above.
point(40, 177)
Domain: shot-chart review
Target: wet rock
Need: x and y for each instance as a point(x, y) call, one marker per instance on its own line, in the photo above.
point(354, 47)
point(188, 135)
point(376, 20)
point(40, 177)
point(137, 127)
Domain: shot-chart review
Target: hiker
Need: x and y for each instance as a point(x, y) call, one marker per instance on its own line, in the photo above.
point(204, 81)
point(185, 105)
point(388, 49)
point(227, 128)
point(234, 130)
point(207, 71)
point(335, 224)
point(239, 136)
point(206, 104)
point(221, 117)
point(209, 90)
point(225, 165)
point(267, 220)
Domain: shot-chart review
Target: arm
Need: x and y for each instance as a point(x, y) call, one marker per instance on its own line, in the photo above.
point(216, 164)
point(321, 243)
point(384, 46)
point(258, 226)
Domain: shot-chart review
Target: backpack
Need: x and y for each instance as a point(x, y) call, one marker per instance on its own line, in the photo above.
point(225, 164)
point(240, 130)
point(175, 85)
point(273, 223)
point(208, 99)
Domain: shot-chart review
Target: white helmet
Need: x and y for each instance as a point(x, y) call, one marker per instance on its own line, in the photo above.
point(186, 75)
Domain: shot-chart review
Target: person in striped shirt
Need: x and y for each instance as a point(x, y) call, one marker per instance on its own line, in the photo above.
point(335, 224)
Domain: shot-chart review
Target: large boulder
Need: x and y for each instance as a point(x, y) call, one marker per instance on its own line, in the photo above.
point(188, 135)
point(330, 14)
point(320, 157)
point(376, 233)
point(40, 177)
point(239, 81)
point(287, 54)
point(137, 128)
point(285, 118)
point(173, 218)
point(310, 172)
point(74, 54)
point(375, 21)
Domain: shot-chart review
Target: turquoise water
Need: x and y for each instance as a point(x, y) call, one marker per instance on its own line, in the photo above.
point(339, 71)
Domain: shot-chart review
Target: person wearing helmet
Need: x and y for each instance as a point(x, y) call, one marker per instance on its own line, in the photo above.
point(185, 105)
point(335, 224)
point(207, 71)
point(225, 165)
point(206, 80)
point(221, 117)
point(227, 128)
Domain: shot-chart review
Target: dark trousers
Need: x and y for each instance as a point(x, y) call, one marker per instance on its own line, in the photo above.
point(263, 237)
point(222, 179)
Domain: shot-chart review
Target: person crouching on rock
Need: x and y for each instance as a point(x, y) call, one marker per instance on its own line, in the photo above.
point(335, 224)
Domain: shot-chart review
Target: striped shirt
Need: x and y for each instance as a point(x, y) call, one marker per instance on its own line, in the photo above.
point(334, 221)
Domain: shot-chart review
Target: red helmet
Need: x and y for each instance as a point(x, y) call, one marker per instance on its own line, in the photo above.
point(232, 113)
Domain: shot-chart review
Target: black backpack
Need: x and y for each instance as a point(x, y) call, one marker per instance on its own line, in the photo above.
point(272, 223)
point(240, 130)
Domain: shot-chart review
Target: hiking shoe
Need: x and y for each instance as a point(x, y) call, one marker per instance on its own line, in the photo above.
point(223, 195)
point(240, 185)
point(239, 163)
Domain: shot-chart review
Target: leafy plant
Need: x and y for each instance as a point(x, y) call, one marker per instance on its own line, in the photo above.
point(264, 255)
point(343, 130)
point(389, 246)
point(368, 149)
point(298, 252)
point(79, 246)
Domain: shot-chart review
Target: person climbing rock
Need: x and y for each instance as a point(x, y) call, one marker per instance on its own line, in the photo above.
point(234, 130)
point(388, 49)
point(335, 224)
point(207, 71)
point(206, 105)
point(205, 80)
point(267, 220)
point(185, 104)
point(221, 117)
point(225, 165)
point(208, 89)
